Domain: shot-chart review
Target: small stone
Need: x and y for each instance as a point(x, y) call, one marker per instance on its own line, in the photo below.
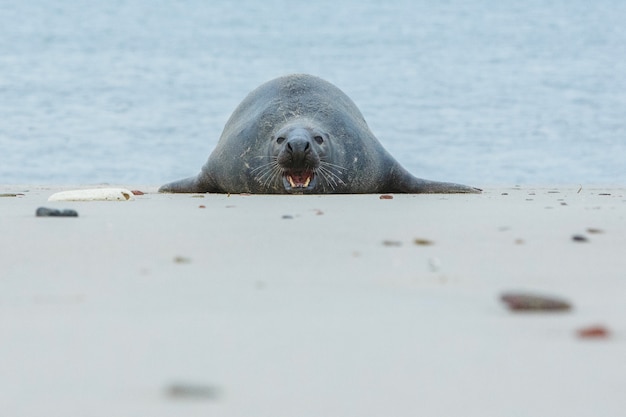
point(137, 192)
point(594, 332)
point(594, 231)
point(318, 212)
point(386, 197)
point(192, 392)
point(504, 194)
point(11, 195)
point(423, 242)
point(287, 216)
point(201, 206)
point(391, 243)
point(519, 241)
point(181, 260)
point(580, 238)
point(48, 212)
point(530, 302)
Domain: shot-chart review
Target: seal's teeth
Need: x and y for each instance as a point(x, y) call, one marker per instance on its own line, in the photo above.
point(293, 184)
point(306, 183)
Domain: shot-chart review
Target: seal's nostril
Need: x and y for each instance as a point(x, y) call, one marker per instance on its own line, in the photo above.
point(289, 146)
point(307, 145)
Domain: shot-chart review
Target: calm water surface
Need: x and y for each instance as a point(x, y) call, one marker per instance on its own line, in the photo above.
point(480, 92)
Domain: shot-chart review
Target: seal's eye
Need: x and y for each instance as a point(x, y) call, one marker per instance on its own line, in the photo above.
point(280, 140)
point(319, 140)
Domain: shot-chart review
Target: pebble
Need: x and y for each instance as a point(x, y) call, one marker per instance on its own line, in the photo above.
point(48, 212)
point(189, 391)
point(579, 238)
point(93, 194)
point(386, 197)
point(530, 302)
point(423, 242)
point(181, 260)
point(594, 332)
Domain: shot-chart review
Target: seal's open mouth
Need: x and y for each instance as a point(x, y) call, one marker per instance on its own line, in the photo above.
point(299, 180)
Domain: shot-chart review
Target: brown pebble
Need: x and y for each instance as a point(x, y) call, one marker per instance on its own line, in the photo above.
point(594, 231)
point(580, 238)
point(594, 332)
point(137, 192)
point(392, 243)
point(423, 242)
point(318, 212)
point(530, 302)
point(386, 197)
point(201, 206)
point(197, 196)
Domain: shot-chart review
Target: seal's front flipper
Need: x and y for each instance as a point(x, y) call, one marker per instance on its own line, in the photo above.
point(190, 185)
point(403, 182)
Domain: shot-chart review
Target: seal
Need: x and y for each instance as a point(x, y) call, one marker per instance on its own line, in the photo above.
point(299, 134)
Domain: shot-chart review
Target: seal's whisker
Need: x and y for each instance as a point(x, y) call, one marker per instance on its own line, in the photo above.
point(331, 178)
point(334, 166)
point(266, 173)
point(277, 171)
point(331, 171)
point(264, 166)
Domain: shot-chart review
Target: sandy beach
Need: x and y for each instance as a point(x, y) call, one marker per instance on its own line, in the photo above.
point(351, 305)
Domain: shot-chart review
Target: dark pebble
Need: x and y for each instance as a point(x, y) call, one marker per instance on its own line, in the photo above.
point(137, 192)
point(530, 302)
point(11, 195)
point(48, 212)
point(201, 206)
point(386, 197)
point(192, 392)
point(579, 238)
point(287, 216)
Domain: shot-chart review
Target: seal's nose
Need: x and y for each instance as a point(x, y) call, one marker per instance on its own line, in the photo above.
point(299, 148)
point(298, 145)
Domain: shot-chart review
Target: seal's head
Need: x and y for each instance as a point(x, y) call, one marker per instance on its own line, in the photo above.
point(298, 153)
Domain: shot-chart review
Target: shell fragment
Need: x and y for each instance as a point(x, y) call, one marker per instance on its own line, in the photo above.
point(93, 194)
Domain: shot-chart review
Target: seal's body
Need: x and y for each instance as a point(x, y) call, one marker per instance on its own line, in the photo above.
point(301, 134)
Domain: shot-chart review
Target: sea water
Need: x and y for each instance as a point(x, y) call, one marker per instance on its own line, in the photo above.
point(479, 91)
